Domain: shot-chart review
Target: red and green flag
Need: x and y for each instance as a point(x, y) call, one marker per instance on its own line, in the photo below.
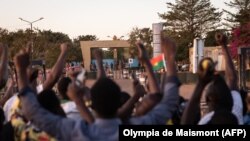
point(158, 62)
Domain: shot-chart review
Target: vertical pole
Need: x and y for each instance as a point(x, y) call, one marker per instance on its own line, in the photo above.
point(157, 29)
point(44, 72)
point(244, 69)
point(32, 42)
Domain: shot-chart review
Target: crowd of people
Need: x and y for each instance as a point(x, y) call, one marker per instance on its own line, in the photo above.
point(76, 113)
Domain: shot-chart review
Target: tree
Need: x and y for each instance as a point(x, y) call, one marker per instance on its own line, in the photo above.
point(182, 40)
point(17, 40)
point(115, 38)
point(145, 35)
point(241, 16)
point(75, 53)
point(210, 40)
point(77, 40)
point(3, 34)
point(190, 19)
point(47, 44)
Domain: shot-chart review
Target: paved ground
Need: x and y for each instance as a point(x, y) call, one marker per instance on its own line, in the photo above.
point(126, 85)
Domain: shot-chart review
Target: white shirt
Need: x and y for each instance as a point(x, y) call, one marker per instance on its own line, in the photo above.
point(10, 104)
point(39, 88)
point(65, 129)
point(237, 109)
point(71, 110)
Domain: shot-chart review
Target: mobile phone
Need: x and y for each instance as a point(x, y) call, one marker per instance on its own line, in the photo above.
point(81, 77)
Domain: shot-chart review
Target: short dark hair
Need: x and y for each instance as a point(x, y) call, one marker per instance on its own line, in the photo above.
point(223, 117)
point(124, 98)
point(105, 96)
point(62, 87)
point(219, 95)
point(50, 102)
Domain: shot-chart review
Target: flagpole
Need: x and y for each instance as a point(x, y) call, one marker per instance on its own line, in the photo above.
point(164, 61)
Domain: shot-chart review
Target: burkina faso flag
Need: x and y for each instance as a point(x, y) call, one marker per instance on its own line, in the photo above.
point(158, 62)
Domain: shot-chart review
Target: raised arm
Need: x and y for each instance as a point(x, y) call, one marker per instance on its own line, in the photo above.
point(3, 65)
point(56, 126)
point(143, 57)
point(164, 110)
point(148, 102)
point(231, 75)
point(126, 109)
point(100, 70)
point(76, 95)
point(192, 111)
point(57, 68)
point(169, 50)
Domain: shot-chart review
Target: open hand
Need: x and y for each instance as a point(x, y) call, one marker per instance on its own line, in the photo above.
point(64, 47)
point(22, 60)
point(168, 47)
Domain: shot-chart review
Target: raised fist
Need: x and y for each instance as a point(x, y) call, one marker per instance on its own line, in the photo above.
point(64, 47)
point(142, 53)
point(22, 60)
point(221, 38)
point(206, 70)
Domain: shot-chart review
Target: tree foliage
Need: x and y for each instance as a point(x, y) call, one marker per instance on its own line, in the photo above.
point(196, 17)
point(182, 40)
point(189, 19)
point(241, 15)
point(46, 44)
point(75, 54)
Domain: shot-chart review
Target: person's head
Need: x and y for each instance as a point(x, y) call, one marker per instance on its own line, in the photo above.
point(223, 117)
point(218, 95)
point(62, 87)
point(105, 96)
point(124, 97)
point(146, 104)
point(50, 102)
